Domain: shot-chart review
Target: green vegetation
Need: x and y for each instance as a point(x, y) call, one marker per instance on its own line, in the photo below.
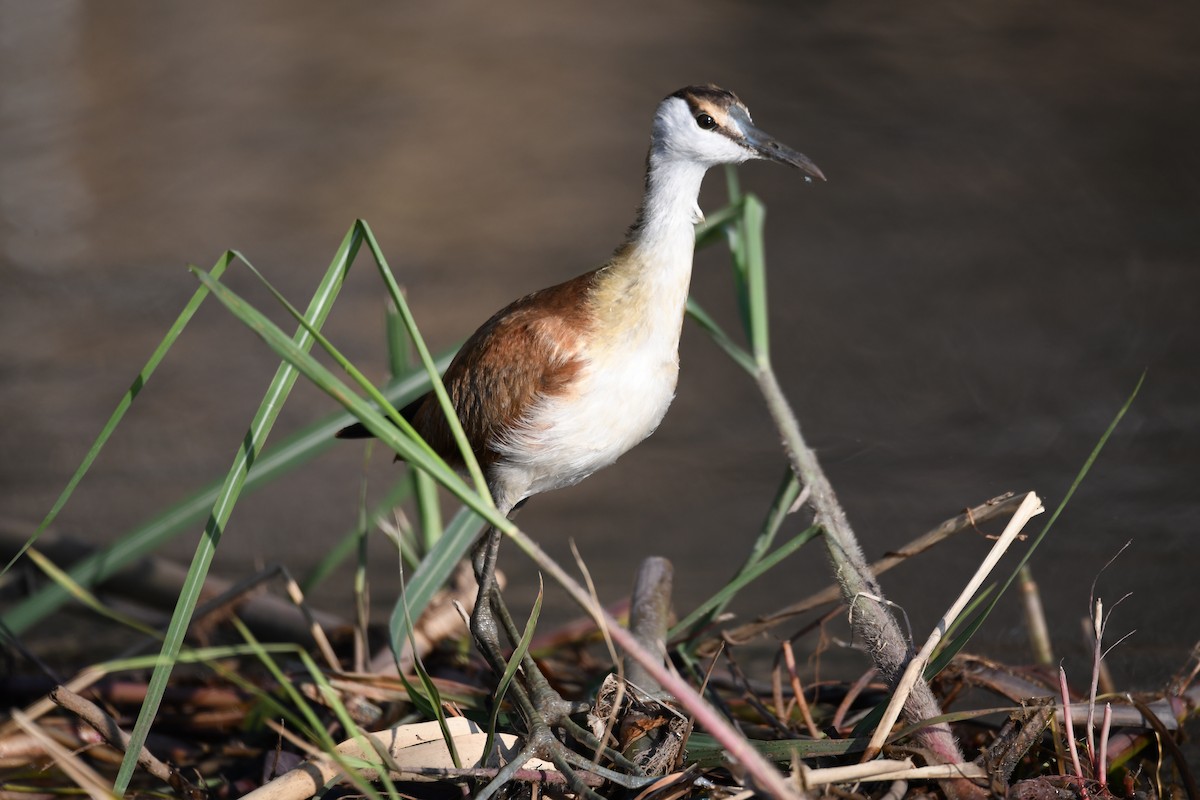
point(282, 693)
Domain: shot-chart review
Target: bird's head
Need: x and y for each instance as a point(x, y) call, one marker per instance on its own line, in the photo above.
point(709, 126)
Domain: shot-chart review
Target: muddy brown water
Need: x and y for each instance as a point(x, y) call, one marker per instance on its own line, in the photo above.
point(1009, 237)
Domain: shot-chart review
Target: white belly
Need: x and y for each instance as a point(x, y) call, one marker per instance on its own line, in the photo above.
point(617, 403)
point(628, 380)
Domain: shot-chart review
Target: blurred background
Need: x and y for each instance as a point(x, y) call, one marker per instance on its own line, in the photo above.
point(1009, 237)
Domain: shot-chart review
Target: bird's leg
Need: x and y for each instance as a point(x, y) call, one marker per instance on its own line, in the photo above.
point(555, 710)
point(483, 621)
point(541, 707)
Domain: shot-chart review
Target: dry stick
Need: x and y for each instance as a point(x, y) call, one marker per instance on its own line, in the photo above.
point(1030, 507)
point(84, 776)
point(855, 690)
point(392, 745)
point(798, 691)
point(1015, 688)
point(1035, 618)
point(967, 520)
point(296, 594)
point(156, 583)
point(546, 776)
point(287, 787)
point(875, 625)
point(649, 616)
point(42, 706)
point(108, 728)
point(649, 619)
point(888, 771)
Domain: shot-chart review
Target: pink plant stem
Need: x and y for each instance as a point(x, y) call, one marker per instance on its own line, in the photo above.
point(1069, 727)
point(1097, 656)
point(1102, 764)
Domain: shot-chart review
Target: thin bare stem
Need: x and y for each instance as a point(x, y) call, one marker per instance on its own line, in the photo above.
point(1097, 632)
point(1035, 618)
point(1030, 507)
point(1101, 766)
point(1069, 729)
point(789, 659)
point(877, 627)
point(84, 776)
point(888, 771)
point(856, 689)
point(107, 727)
point(296, 594)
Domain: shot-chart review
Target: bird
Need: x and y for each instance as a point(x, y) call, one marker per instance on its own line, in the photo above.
point(561, 382)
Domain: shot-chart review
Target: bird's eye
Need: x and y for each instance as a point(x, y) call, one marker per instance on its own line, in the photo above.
point(706, 122)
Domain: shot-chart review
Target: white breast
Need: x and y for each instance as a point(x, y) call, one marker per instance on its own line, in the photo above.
point(631, 351)
point(621, 394)
point(616, 403)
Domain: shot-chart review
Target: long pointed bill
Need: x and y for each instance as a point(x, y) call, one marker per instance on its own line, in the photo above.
point(771, 149)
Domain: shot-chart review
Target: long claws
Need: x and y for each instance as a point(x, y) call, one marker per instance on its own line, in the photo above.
point(541, 708)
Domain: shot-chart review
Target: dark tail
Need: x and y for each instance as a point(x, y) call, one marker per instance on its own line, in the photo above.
point(359, 431)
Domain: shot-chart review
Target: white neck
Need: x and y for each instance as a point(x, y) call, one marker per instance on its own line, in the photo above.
point(669, 210)
point(644, 288)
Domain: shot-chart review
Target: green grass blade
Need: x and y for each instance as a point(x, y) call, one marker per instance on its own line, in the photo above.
point(312, 725)
point(731, 348)
point(144, 539)
point(123, 406)
point(705, 752)
point(754, 259)
point(388, 430)
point(255, 320)
point(83, 595)
point(978, 600)
point(287, 686)
point(430, 694)
point(711, 230)
point(439, 390)
point(733, 186)
point(429, 511)
point(744, 235)
point(435, 703)
point(260, 428)
point(451, 548)
point(435, 568)
point(393, 430)
point(510, 669)
point(789, 490)
point(781, 507)
point(193, 655)
point(347, 544)
point(425, 704)
point(333, 700)
point(949, 649)
point(399, 345)
point(743, 579)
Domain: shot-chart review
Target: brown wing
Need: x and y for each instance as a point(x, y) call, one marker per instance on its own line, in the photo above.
point(527, 350)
